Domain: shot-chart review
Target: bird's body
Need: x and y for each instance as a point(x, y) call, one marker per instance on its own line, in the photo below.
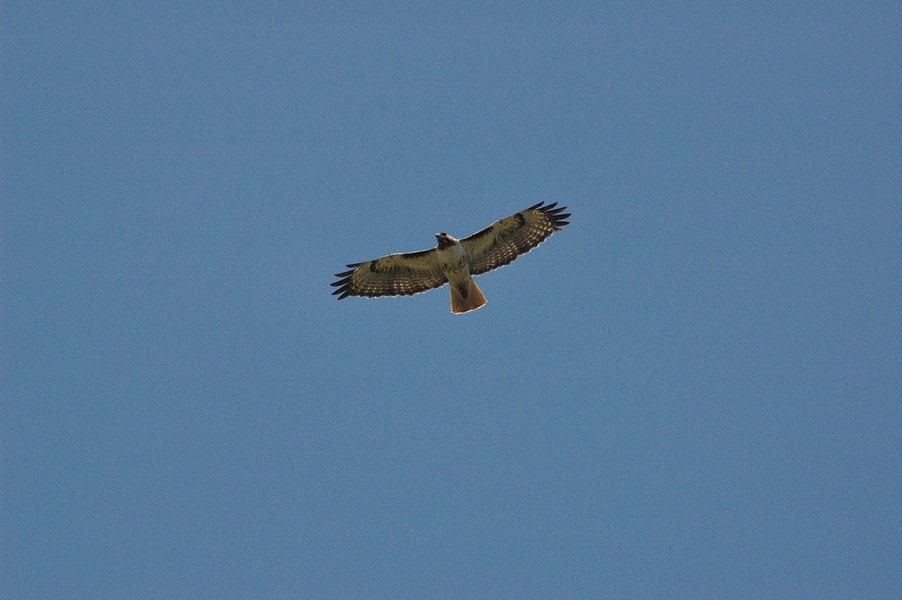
point(455, 265)
point(453, 261)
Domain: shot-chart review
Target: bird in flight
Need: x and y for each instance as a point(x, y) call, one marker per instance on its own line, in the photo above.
point(453, 261)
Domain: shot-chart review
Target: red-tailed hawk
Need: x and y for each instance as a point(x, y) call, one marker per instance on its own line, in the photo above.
point(454, 261)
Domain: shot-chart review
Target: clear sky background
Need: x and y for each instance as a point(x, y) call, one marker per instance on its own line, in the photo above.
point(692, 391)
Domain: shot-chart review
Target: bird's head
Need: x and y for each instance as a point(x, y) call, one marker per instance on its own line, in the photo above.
point(445, 240)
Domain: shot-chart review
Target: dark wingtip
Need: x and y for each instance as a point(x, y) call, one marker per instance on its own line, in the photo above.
point(344, 290)
point(343, 284)
point(548, 209)
point(557, 216)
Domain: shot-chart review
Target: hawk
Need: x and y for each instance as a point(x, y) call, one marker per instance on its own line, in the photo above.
point(453, 261)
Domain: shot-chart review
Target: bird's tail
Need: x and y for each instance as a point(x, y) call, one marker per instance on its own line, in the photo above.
point(461, 303)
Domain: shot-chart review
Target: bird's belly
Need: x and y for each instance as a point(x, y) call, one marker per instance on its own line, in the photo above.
point(454, 264)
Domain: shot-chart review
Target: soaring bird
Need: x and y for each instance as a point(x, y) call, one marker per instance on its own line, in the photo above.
point(453, 261)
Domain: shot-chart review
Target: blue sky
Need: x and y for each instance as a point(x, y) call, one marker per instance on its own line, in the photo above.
point(693, 390)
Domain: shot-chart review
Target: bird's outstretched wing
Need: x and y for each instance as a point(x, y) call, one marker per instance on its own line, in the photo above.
point(392, 275)
point(503, 241)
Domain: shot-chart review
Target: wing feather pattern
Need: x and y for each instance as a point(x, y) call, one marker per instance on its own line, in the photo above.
point(503, 241)
point(393, 275)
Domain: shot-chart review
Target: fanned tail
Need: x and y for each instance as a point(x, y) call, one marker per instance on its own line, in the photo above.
point(473, 300)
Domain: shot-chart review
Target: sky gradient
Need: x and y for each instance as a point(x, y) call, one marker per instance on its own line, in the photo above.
point(692, 391)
